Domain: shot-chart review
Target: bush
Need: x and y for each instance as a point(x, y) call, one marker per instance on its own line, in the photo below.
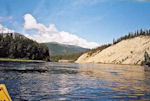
point(146, 59)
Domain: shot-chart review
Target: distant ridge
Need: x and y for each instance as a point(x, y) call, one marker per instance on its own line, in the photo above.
point(56, 48)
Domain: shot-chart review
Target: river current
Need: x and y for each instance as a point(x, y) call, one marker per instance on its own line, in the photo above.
point(70, 81)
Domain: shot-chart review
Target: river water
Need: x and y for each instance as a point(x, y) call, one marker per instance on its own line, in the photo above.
point(69, 81)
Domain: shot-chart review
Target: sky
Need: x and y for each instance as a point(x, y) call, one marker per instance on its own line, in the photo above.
point(85, 23)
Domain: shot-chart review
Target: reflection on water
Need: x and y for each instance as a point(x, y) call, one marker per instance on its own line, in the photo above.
point(66, 81)
point(130, 81)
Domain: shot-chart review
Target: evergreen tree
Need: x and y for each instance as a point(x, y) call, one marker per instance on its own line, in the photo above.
point(20, 47)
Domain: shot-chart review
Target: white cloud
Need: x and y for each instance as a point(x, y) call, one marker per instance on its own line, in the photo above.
point(5, 30)
point(51, 34)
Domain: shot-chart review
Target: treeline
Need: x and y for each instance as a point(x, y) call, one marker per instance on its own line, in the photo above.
point(132, 35)
point(21, 47)
point(72, 57)
point(100, 48)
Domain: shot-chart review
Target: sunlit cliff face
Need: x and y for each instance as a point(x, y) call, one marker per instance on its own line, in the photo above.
point(129, 51)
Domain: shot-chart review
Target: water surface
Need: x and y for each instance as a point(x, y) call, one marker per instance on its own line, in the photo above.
point(68, 81)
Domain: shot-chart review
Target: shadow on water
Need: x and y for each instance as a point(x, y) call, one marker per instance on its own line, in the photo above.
point(67, 81)
point(24, 71)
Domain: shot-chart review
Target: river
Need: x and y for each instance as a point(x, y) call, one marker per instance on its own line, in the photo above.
point(69, 81)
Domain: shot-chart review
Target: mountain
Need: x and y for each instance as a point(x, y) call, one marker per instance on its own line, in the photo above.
point(63, 49)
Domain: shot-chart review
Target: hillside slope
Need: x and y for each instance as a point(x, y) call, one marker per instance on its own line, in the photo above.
point(63, 49)
point(129, 51)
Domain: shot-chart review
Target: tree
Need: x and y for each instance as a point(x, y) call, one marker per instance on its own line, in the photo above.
point(20, 47)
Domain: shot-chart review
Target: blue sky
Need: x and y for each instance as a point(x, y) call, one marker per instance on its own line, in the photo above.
point(93, 20)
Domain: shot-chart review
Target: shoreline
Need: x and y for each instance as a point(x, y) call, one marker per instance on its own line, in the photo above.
point(20, 60)
point(109, 64)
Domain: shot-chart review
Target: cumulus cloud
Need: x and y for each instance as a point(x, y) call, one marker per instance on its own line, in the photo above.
point(52, 34)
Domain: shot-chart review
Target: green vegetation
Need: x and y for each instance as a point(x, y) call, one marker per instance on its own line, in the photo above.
point(22, 47)
point(72, 57)
point(20, 60)
point(75, 56)
point(64, 52)
point(102, 47)
point(146, 59)
point(56, 49)
point(132, 35)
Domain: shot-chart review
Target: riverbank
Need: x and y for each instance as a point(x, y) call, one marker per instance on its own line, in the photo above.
point(66, 61)
point(20, 60)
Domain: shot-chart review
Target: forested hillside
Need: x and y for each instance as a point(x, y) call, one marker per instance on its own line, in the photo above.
point(72, 57)
point(21, 47)
point(63, 49)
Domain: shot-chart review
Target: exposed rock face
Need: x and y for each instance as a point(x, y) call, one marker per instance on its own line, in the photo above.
point(130, 51)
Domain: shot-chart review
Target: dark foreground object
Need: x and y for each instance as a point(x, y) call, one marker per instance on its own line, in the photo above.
point(24, 71)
